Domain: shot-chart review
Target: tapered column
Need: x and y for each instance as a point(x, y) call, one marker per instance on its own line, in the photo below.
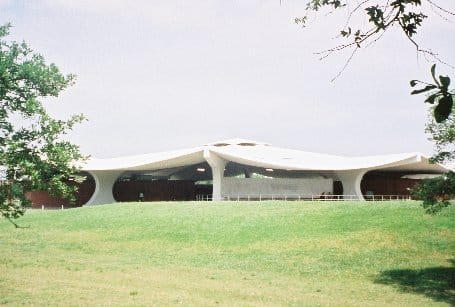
point(217, 165)
point(104, 183)
point(351, 182)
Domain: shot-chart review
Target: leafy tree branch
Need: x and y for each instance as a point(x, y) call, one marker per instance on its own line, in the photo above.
point(381, 15)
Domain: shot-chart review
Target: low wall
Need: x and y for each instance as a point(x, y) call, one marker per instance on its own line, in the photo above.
point(277, 186)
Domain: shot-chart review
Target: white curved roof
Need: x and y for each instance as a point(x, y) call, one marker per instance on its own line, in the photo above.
point(264, 155)
point(157, 160)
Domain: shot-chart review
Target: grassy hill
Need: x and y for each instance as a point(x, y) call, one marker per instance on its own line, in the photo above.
point(231, 253)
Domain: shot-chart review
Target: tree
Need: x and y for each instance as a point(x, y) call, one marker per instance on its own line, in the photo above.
point(435, 193)
point(33, 152)
point(407, 15)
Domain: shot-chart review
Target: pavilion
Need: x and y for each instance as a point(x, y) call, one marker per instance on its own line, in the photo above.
point(245, 169)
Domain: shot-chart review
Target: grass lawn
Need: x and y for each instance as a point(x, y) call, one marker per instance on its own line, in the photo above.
point(231, 253)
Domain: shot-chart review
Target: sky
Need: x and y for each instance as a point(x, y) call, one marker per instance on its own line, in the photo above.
point(163, 75)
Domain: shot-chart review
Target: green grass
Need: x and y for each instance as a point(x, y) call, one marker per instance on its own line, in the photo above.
point(249, 254)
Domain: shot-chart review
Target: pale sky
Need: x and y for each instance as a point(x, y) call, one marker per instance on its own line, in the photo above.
point(163, 75)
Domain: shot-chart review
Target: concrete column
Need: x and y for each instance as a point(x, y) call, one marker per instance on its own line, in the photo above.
point(351, 182)
point(217, 165)
point(104, 183)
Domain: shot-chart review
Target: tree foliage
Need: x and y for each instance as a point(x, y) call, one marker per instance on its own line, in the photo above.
point(436, 193)
point(33, 153)
point(443, 137)
point(439, 95)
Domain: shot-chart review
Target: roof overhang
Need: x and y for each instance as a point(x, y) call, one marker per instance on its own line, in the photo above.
point(263, 155)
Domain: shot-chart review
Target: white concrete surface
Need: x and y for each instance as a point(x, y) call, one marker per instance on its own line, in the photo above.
point(351, 182)
point(217, 165)
point(104, 184)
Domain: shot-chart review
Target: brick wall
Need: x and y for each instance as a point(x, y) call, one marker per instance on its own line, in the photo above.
point(40, 198)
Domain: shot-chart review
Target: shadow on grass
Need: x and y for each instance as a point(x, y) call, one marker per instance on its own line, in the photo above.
point(437, 283)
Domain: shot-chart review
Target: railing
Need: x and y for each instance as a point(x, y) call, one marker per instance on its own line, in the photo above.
point(387, 197)
point(302, 197)
point(48, 207)
point(286, 197)
point(289, 197)
point(204, 197)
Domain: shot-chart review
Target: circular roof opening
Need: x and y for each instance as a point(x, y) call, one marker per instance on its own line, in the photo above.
point(237, 142)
